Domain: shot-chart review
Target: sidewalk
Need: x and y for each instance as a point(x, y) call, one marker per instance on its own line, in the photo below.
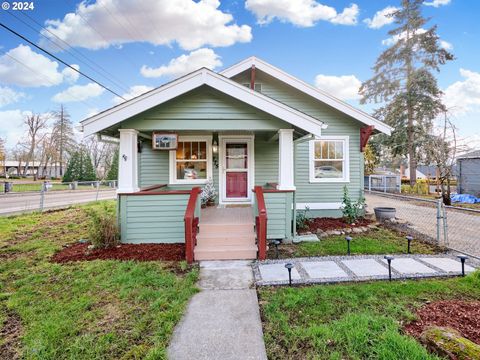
point(334, 269)
point(223, 320)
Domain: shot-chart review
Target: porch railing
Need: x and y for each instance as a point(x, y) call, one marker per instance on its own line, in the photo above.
point(261, 223)
point(191, 225)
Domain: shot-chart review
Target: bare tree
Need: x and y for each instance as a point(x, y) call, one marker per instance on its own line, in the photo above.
point(441, 150)
point(63, 135)
point(102, 155)
point(2, 155)
point(35, 124)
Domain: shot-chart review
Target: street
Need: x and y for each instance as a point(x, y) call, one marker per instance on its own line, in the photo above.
point(12, 203)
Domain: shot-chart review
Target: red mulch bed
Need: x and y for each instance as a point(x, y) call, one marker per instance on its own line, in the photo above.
point(460, 315)
point(139, 252)
point(333, 224)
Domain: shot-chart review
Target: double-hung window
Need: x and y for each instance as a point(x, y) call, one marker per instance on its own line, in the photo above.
point(329, 160)
point(191, 163)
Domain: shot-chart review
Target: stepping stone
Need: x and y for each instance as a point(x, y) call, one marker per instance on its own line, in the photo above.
point(410, 266)
point(277, 272)
point(323, 269)
point(366, 267)
point(447, 264)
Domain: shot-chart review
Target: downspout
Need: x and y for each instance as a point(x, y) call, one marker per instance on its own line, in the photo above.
point(301, 140)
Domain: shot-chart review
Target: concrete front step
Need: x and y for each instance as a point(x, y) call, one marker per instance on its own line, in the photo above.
point(225, 252)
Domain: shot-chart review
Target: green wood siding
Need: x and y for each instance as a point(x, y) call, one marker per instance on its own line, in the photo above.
point(152, 218)
point(266, 161)
point(279, 214)
point(338, 124)
point(204, 109)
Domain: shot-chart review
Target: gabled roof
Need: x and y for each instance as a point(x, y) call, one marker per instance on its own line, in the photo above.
point(307, 89)
point(192, 81)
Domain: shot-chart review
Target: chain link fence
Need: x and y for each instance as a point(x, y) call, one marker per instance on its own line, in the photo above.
point(23, 196)
point(451, 227)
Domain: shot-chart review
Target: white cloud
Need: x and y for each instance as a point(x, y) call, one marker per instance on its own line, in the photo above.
point(134, 92)
point(437, 3)
point(446, 45)
point(464, 96)
point(37, 70)
point(79, 93)
point(9, 96)
point(344, 87)
point(392, 40)
point(381, 18)
point(14, 132)
point(185, 64)
point(304, 13)
point(70, 75)
point(191, 24)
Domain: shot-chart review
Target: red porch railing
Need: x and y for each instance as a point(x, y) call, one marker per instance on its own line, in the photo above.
point(261, 223)
point(191, 225)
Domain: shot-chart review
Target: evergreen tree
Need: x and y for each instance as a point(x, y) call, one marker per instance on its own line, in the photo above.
point(404, 83)
point(80, 167)
point(113, 171)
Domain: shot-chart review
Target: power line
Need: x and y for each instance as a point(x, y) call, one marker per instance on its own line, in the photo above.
point(49, 80)
point(60, 60)
point(71, 50)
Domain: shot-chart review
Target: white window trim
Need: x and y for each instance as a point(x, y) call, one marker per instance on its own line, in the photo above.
point(173, 164)
point(346, 152)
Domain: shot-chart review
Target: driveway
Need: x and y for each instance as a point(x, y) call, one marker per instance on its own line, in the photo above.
point(462, 225)
point(12, 203)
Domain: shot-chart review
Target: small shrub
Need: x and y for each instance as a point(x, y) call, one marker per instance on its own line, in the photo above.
point(104, 231)
point(351, 210)
point(420, 188)
point(209, 193)
point(302, 219)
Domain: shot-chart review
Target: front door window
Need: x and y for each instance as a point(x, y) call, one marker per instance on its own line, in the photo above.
point(236, 170)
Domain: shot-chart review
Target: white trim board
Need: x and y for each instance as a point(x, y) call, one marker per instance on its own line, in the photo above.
point(307, 89)
point(319, 206)
point(192, 81)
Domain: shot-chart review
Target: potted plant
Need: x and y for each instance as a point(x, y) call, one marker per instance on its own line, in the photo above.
point(208, 194)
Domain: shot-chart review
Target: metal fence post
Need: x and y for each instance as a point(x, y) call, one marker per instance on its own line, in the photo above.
point(98, 189)
point(370, 183)
point(445, 225)
point(42, 197)
point(439, 216)
point(384, 184)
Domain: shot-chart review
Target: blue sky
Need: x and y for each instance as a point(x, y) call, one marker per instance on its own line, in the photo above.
point(327, 43)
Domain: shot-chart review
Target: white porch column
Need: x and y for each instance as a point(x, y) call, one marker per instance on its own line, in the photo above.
point(285, 160)
point(128, 161)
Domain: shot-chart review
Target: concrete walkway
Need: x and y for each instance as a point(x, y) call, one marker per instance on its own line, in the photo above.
point(223, 320)
point(333, 269)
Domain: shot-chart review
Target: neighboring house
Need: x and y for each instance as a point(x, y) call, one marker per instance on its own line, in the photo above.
point(468, 173)
point(16, 168)
point(257, 133)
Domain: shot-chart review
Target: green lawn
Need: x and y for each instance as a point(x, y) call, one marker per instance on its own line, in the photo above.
point(377, 241)
point(355, 321)
point(88, 310)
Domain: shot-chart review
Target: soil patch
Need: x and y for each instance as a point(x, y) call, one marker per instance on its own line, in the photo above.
point(460, 315)
point(326, 224)
point(10, 334)
point(139, 252)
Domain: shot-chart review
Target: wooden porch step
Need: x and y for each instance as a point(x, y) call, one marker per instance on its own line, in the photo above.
point(225, 252)
point(227, 239)
point(226, 228)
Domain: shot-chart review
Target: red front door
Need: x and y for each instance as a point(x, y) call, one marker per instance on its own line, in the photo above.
point(236, 170)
